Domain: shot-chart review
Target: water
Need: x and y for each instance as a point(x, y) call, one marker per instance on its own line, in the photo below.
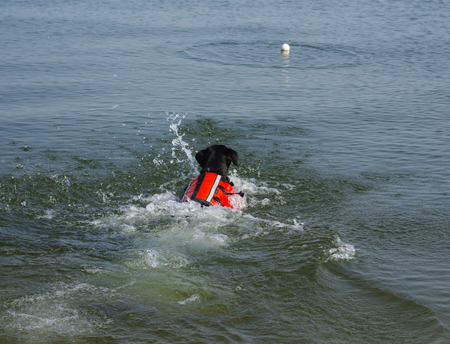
point(344, 159)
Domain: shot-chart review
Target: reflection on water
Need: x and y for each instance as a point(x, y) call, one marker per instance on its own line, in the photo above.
point(285, 62)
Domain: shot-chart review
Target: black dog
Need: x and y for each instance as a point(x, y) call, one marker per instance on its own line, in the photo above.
point(217, 159)
point(212, 186)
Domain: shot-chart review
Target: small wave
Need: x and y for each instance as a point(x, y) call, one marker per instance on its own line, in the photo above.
point(49, 214)
point(193, 298)
point(168, 241)
point(268, 56)
point(55, 312)
point(342, 252)
point(93, 270)
point(265, 226)
point(153, 259)
point(167, 232)
point(251, 186)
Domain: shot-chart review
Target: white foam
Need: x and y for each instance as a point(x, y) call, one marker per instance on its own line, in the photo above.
point(237, 201)
point(288, 186)
point(343, 251)
point(93, 270)
point(193, 298)
point(166, 229)
point(168, 232)
point(255, 189)
point(190, 224)
point(168, 204)
point(274, 224)
point(49, 214)
point(170, 239)
point(155, 260)
point(55, 312)
point(251, 186)
point(61, 180)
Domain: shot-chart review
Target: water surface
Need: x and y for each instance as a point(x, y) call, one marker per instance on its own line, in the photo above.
point(344, 159)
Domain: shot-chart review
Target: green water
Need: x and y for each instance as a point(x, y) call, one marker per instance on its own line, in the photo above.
point(101, 246)
point(344, 156)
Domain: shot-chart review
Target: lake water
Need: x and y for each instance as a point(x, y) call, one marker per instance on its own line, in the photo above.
point(344, 150)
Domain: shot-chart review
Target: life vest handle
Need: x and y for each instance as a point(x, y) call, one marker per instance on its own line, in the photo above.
point(236, 193)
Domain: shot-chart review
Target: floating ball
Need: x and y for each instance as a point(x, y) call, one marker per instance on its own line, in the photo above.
point(285, 47)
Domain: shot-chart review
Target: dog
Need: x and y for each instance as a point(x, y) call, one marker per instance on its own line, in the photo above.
point(212, 186)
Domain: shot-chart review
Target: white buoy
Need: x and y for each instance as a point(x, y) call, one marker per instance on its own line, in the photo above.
point(285, 47)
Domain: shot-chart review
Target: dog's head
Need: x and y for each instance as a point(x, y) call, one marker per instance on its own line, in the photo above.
point(217, 159)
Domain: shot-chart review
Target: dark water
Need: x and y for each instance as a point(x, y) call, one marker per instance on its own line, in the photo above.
point(344, 147)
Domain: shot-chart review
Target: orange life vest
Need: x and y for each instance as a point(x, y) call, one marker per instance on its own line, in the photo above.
point(209, 189)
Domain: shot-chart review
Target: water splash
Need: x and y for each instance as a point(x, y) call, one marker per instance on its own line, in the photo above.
point(179, 143)
point(342, 252)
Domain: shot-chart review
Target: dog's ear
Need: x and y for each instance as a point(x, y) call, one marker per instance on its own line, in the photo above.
point(200, 157)
point(234, 156)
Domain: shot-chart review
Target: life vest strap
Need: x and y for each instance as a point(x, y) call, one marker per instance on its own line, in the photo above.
point(210, 189)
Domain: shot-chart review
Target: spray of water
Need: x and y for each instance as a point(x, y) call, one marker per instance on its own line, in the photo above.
point(178, 142)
